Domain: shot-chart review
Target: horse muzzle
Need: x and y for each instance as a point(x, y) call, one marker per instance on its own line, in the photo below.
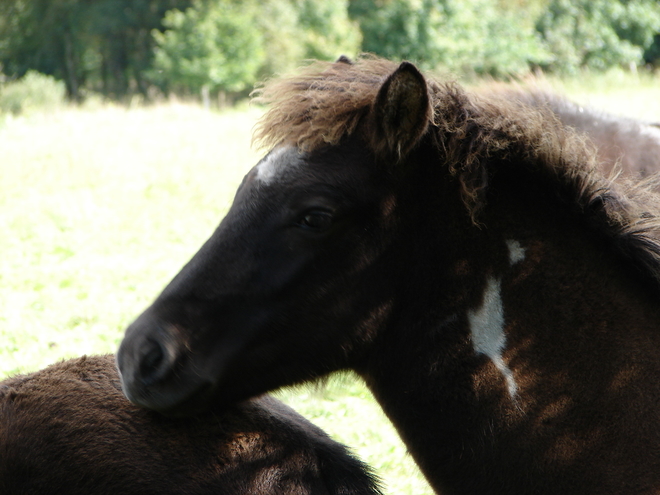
point(154, 368)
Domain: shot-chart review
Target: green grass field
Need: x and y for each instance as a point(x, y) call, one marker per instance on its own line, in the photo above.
point(100, 207)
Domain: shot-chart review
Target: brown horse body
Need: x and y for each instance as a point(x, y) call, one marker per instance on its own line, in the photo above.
point(69, 430)
point(629, 145)
point(463, 254)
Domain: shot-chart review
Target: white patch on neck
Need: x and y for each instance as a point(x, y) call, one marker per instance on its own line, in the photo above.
point(516, 252)
point(487, 328)
point(273, 165)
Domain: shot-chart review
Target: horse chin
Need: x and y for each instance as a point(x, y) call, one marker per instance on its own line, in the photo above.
point(194, 405)
point(205, 399)
point(170, 404)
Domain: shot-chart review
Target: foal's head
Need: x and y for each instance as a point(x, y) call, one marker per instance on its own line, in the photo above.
point(296, 280)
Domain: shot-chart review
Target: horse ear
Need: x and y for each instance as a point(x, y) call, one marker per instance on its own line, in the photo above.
point(401, 112)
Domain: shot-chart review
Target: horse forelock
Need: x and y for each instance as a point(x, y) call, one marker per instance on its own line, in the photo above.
point(319, 105)
point(326, 102)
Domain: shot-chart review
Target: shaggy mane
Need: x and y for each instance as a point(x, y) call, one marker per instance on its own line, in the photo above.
point(321, 104)
point(326, 102)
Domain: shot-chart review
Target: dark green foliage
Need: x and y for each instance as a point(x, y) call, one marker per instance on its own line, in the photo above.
point(459, 35)
point(123, 47)
point(100, 44)
point(652, 53)
point(43, 35)
point(210, 47)
point(326, 29)
point(391, 29)
point(34, 90)
point(227, 46)
point(598, 34)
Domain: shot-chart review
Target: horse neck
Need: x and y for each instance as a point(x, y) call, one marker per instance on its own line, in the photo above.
point(508, 342)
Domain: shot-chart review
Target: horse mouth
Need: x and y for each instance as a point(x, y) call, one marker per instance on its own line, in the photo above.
point(171, 398)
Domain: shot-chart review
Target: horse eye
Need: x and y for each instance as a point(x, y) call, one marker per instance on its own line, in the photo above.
point(316, 220)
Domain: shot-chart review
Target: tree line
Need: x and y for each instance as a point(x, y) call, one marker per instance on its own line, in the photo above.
point(119, 48)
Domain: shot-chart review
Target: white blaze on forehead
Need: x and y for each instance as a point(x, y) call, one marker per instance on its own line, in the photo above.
point(487, 329)
point(516, 251)
point(274, 164)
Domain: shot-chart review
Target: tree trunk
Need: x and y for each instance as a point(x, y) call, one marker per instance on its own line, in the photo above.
point(70, 65)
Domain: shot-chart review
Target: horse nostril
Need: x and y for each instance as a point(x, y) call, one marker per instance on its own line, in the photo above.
point(154, 364)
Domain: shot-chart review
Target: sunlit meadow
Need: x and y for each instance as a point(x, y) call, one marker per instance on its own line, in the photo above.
point(100, 207)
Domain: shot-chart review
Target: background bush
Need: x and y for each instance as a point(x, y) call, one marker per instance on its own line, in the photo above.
point(468, 36)
point(598, 34)
point(213, 47)
point(225, 46)
point(32, 91)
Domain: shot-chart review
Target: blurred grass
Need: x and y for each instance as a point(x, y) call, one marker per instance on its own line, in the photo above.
point(100, 207)
point(98, 210)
